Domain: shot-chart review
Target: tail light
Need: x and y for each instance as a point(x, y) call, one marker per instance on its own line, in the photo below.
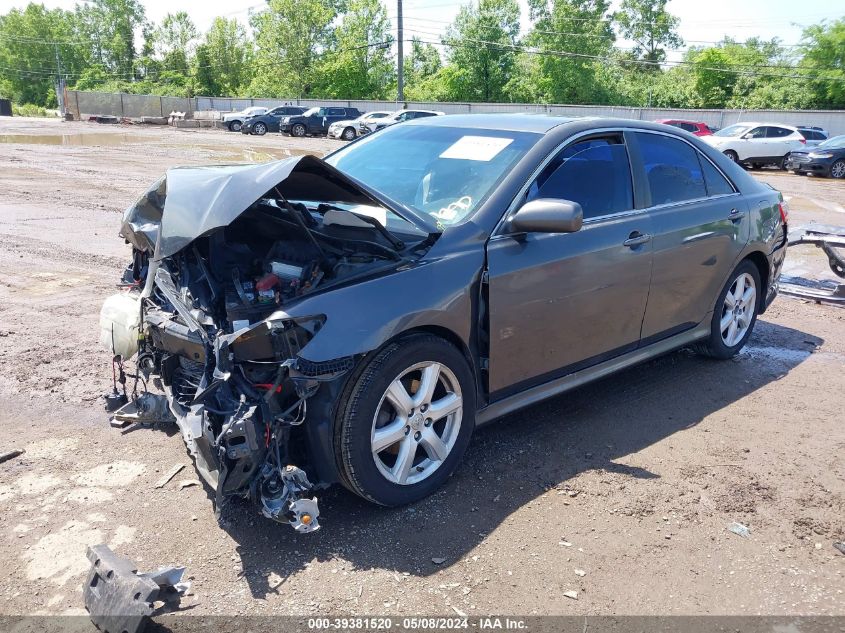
point(784, 212)
point(803, 141)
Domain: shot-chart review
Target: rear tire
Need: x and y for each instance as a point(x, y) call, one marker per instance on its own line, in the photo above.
point(837, 169)
point(734, 314)
point(398, 466)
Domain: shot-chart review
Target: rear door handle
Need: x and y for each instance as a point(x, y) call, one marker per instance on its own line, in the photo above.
point(735, 215)
point(636, 238)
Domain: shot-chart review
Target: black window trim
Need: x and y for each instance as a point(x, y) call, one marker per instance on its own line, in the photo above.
point(700, 154)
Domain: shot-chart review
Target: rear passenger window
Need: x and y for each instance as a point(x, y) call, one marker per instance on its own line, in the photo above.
point(594, 173)
point(337, 112)
point(777, 132)
point(672, 167)
point(717, 184)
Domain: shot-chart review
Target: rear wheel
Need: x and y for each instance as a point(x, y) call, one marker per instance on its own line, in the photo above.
point(837, 169)
point(406, 421)
point(234, 126)
point(782, 163)
point(734, 314)
point(260, 129)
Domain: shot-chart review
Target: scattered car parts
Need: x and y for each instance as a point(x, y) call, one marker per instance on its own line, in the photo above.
point(831, 239)
point(118, 598)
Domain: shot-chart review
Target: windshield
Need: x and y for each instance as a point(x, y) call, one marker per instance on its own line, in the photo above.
point(255, 110)
point(733, 130)
point(311, 111)
point(444, 172)
point(835, 142)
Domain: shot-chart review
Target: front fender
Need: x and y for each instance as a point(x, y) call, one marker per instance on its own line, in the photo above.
point(436, 292)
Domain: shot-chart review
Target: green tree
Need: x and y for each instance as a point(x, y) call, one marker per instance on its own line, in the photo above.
point(359, 64)
point(110, 26)
point(223, 59)
point(650, 26)
point(824, 54)
point(173, 39)
point(421, 64)
point(481, 44)
point(34, 44)
point(568, 34)
point(290, 36)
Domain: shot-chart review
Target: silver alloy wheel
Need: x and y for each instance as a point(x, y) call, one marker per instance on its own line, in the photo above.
point(416, 423)
point(731, 156)
point(837, 170)
point(298, 130)
point(260, 129)
point(738, 309)
point(235, 126)
point(349, 134)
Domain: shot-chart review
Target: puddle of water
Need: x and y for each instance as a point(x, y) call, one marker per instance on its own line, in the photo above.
point(96, 138)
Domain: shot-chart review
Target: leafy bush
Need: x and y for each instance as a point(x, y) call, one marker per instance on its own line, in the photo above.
point(29, 109)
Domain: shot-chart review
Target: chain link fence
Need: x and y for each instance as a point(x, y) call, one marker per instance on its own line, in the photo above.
point(84, 104)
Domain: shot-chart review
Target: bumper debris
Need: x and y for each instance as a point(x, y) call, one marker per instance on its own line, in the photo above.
point(118, 598)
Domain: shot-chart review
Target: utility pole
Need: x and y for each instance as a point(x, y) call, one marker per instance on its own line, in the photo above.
point(60, 82)
point(400, 62)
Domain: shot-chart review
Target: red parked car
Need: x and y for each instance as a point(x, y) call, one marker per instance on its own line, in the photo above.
point(695, 127)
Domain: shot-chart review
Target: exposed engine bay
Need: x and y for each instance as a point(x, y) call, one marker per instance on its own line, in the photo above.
point(218, 255)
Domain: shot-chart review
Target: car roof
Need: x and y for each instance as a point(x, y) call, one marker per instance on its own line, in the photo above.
point(514, 122)
point(771, 123)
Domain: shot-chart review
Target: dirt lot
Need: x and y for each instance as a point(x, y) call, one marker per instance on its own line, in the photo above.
point(632, 480)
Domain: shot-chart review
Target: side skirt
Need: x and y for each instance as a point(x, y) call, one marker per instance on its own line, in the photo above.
point(571, 381)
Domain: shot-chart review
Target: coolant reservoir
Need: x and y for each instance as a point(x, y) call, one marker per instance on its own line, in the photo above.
point(120, 319)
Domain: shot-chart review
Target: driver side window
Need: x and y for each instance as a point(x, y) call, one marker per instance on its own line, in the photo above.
point(595, 173)
point(757, 132)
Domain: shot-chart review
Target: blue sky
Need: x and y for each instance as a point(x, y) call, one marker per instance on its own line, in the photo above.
point(700, 22)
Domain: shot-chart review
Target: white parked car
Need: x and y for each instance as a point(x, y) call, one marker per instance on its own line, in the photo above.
point(757, 144)
point(348, 130)
point(234, 120)
point(396, 117)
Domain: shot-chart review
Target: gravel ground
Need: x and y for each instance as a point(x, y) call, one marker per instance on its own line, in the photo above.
point(621, 491)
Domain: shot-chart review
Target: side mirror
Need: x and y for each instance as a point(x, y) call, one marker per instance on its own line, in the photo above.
point(547, 215)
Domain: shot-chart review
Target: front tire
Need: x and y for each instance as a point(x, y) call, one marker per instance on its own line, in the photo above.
point(348, 134)
point(405, 421)
point(732, 155)
point(734, 314)
point(234, 126)
point(259, 129)
point(298, 130)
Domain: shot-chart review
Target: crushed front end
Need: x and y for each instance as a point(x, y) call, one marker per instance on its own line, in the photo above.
point(218, 254)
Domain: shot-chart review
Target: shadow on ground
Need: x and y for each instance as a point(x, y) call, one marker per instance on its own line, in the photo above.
point(518, 458)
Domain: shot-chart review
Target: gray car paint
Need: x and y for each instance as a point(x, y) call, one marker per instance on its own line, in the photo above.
point(560, 301)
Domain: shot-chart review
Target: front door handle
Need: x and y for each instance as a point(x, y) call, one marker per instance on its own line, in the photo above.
point(636, 238)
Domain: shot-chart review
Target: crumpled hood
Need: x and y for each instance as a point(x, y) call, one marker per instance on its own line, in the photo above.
point(191, 201)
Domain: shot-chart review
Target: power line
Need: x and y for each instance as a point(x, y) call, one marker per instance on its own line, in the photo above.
point(533, 51)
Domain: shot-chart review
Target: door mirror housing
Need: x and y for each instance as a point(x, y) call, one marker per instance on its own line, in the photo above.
point(547, 215)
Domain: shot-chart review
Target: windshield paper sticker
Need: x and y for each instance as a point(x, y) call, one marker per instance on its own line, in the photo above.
point(480, 148)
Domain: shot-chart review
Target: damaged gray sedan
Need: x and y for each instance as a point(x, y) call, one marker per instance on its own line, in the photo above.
point(351, 320)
